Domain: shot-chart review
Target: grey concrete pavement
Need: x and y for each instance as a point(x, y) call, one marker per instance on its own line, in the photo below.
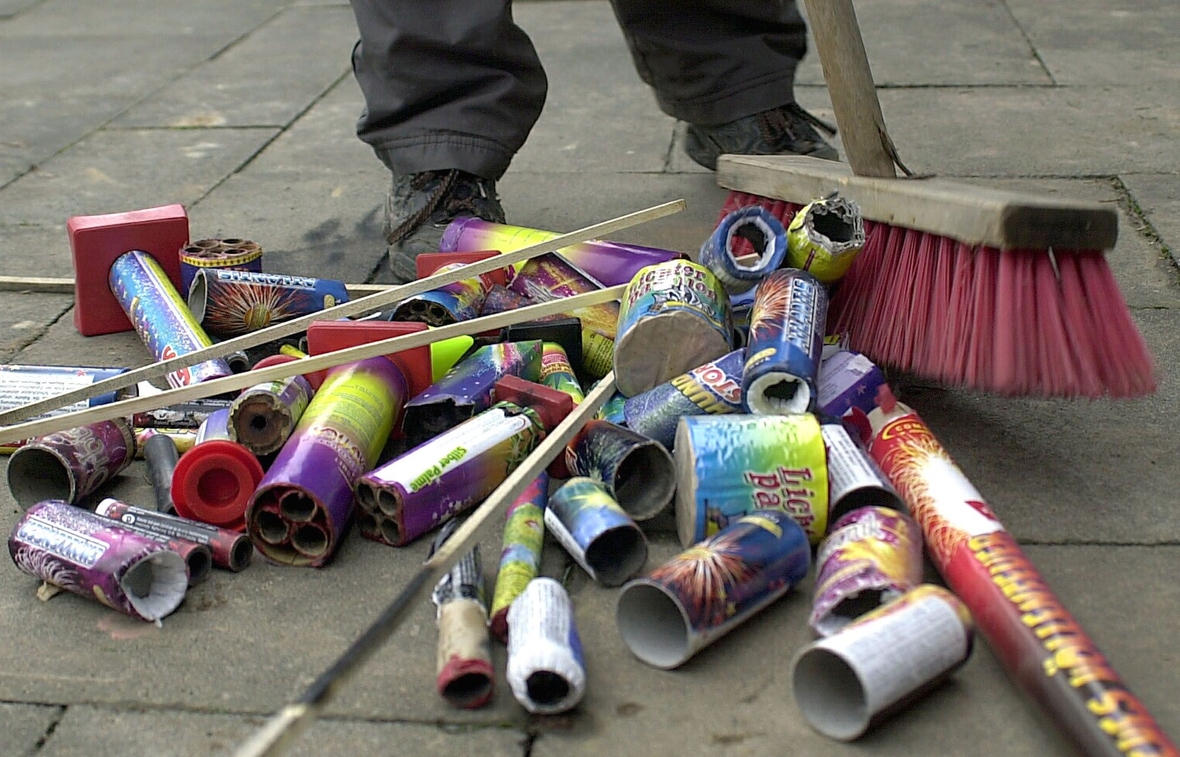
point(243, 110)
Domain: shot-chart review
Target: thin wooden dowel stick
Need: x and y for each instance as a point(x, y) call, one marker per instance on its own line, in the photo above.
point(66, 285)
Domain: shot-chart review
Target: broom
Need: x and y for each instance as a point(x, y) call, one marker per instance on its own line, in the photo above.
point(997, 291)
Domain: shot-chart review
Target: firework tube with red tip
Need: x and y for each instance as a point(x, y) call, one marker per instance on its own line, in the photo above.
point(755, 226)
point(458, 301)
point(546, 670)
point(228, 303)
point(465, 676)
point(786, 343)
point(712, 587)
point(638, 472)
point(713, 388)
point(70, 464)
point(263, 416)
point(236, 254)
point(1038, 641)
point(600, 536)
point(213, 481)
point(520, 559)
point(231, 550)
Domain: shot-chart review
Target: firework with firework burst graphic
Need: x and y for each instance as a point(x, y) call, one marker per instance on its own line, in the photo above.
point(228, 302)
point(600, 536)
point(786, 343)
point(713, 388)
point(231, 253)
point(749, 226)
point(638, 472)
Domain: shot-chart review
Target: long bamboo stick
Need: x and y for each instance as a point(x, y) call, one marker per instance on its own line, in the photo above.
point(65, 285)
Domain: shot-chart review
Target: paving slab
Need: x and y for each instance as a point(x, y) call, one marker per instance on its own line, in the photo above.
point(9, 8)
point(23, 726)
point(24, 317)
point(37, 251)
point(1158, 196)
point(143, 18)
point(61, 344)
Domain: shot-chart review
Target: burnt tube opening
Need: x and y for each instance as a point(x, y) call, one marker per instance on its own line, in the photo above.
point(547, 688)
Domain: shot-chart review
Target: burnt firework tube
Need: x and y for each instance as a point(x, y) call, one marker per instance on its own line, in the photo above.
point(713, 388)
point(758, 227)
point(302, 507)
point(229, 303)
point(458, 301)
point(95, 558)
point(854, 480)
point(214, 480)
point(68, 465)
point(1037, 640)
point(231, 550)
point(263, 416)
point(638, 472)
point(198, 559)
point(520, 558)
point(160, 317)
point(712, 587)
point(232, 253)
point(546, 669)
point(465, 676)
point(161, 454)
point(824, 238)
point(597, 533)
point(786, 343)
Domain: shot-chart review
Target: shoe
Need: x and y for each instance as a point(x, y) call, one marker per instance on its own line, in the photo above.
point(786, 129)
point(419, 207)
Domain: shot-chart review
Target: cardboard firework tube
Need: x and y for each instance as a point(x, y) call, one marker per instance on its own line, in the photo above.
point(92, 557)
point(854, 479)
point(20, 384)
point(447, 475)
point(460, 301)
point(756, 226)
point(263, 416)
point(189, 414)
point(213, 481)
point(872, 556)
point(520, 559)
point(824, 238)
point(557, 372)
point(674, 316)
point(161, 454)
point(69, 465)
point(224, 254)
point(230, 550)
point(161, 318)
point(638, 472)
point(612, 410)
point(465, 677)
point(311, 480)
point(730, 465)
point(786, 343)
point(711, 588)
point(1035, 637)
point(597, 533)
point(713, 388)
point(546, 670)
point(183, 440)
point(198, 559)
point(848, 682)
point(230, 303)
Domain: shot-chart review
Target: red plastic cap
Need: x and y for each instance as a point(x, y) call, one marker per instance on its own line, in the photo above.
point(553, 406)
point(429, 262)
point(213, 483)
point(314, 378)
point(329, 336)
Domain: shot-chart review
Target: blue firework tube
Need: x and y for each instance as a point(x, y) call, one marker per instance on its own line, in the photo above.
point(612, 410)
point(588, 522)
point(713, 388)
point(786, 344)
point(520, 558)
point(764, 233)
point(160, 317)
point(239, 254)
point(229, 302)
point(637, 471)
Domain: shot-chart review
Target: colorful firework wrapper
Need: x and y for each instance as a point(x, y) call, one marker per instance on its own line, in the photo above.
point(824, 238)
point(674, 317)
point(612, 410)
point(459, 301)
point(69, 465)
point(198, 558)
point(226, 254)
point(872, 556)
point(230, 549)
point(854, 480)
point(762, 231)
point(713, 388)
point(501, 299)
point(730, 465)
point(161, 318)
point(464, 673)
point(190, 414)
point(786, 342)
point(520, 558)
point(637, 471)
point(712, 587)
point(214, 480)
point(847, 389)
point(546, 669)
point(22, 384)
point(875, 666)
point(596, 531)
point(557, 373)
point(93, 557)
point(263, 416)
point(229, 303)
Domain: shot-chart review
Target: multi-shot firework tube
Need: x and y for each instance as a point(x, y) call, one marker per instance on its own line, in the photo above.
point(674, 317)
point(854, 479)
point(22, 384)
point(786, 343)
point(546, 668)
point(447, 475)
point(872, 556)
point(189, 414)
point(229, 303)
point(95, 558)
point(464, 673)
point(198, 558)
point(460, 301)
point(596, 531)
point(263, 416)
point(730, 465)
point(758, 227)
point(70, 464)
point(557, 373)
point(637, 471)
point(214, 480)
point(713, 388)
point(161, 318)
point(1036, 639)
point(304, 504)
point(237, 254)
point(712, 587)
point(824, 238)
point(520, 558)
point(847, 682)
point(161, 454)
point(231, 550)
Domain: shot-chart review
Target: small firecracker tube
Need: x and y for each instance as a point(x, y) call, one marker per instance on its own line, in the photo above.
point(23, 384)
point(231, 550)
point(854, 480)
point(546, 668)
point(764, 233)
point(227, 254)
point(458, 301)
point(713, 388)
point(596, 531)
point(198, 558)
point(557, 372)
point(93, 557)
point(465, 677)
point(228, 303)
point(520, 558)
point(847, 389)
point(68, 465)
point(712, 587)
point(213, 481)
point(786, 343)
point(824, 238)
point(162, 455)
point(637, 471)
point(876, 665)
point(189, 414)
point(263, 416)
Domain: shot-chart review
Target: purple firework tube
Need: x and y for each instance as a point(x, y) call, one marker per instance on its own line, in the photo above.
point(786, 342)
point(638, 472)
point(308, 490)
point(520, 559)
point(198, 558)
point(460, 301)
point(230, 549)
point(95, 558)
point(597, 533)
point(229, 303)
point(500, 299)
point(161, 318)
point(68, 465)
point(713, 388)
point(263, 416)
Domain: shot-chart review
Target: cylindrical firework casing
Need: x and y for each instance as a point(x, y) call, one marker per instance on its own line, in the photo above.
point(758, 227)
point(674, 317)
point(713, 388)
point(161, 454)
point(853, 679)
point(230, 549)
point(70, 464)
point(824, 238)
point(263, 416)
point(465, 676)
point(214, 480)
point(161, 318)
point(236, 254)
point(22, 384)
point(872, 556)
point(612, 410)
point(229, 302)
point(92, 557)
point(730, 465)
point(309, 486)
point(706, 591)
point(182, 438)
point(854, 480)
point(198, 558)
point(638, 472)
point(557, 373)
point(458, 301)
point(598, 534)
point(546, 669)
point(520, 559)
point(189, 414)
point(786, 343)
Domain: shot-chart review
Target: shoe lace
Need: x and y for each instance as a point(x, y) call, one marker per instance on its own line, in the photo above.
point(419, 182)
point(778, 120)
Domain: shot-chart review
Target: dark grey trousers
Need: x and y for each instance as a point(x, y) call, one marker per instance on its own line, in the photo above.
point(457, 84)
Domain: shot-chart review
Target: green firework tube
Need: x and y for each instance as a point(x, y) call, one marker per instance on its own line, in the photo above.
point(520, 559)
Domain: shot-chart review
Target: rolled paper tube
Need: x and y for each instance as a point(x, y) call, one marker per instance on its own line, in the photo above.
point(557, 373)
point(311, 480)
point(189, 414)
point(824, 238)
point(730, 465)
point(214, 480)
point(597, 533)
point(546, 669)
point(786, 341)
point(846, 683)
point(198, 559)
point(758, 227)
point(465, 677)
point(229, 303)
point(231, 550)
point(226, 254)
point(708, 590)
point(22, 384)
point(500, 299)
point(160, 317)
point(847, 388)
point(92, 557)
point(872, 556)
point(459, 301)
point(520, 559)
point(612, 410)
point(713, 388)
point(854, 479)
point(674, 317)
point(238, 360)
point(263, 416)
point(637, 472)
point(162, 455)
point(69, 465)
